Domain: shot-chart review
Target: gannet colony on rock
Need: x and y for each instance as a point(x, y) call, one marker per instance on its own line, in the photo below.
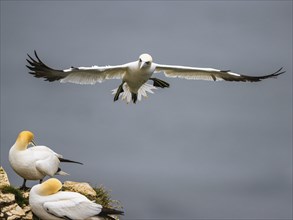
point(36, 162)
point(134, 75)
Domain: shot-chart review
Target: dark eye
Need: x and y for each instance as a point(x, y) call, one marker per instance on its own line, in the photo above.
point(147, 62)
point(139, 60)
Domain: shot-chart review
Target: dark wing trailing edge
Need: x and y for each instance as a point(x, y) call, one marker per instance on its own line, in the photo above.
point(210, 74)
point(41, 70)
point(69, 161)
point(79, 75)
point(245, 78)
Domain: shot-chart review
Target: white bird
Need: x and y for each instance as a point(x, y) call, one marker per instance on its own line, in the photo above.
point(47, 202)
point(36, 162)
point(135, 75)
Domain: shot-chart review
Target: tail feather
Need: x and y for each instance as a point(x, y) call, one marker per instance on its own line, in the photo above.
point(107, 212)
point(62, 173)
point(142, 92)
point(69, 161)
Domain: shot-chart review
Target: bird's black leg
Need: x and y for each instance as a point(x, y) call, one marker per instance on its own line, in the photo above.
point(119, 90)
point(160, 83)
point(23, 187)
point(134, 97)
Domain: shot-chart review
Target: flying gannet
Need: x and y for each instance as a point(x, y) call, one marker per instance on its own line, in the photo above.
point(34, 163)
point(47, 202)
point(135, 75)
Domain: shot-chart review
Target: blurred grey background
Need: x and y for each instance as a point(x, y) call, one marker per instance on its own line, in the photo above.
point(196, 150)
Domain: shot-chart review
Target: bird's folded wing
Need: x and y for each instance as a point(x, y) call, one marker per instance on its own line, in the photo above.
point(78, 75)
point(209, 73)
point(76, 208)
point(41, 149)
point(48, 164)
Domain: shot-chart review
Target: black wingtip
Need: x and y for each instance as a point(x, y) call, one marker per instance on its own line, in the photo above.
point(32, 59)
point(69, 161)
point(277, 73)
point(36, 55)
point(272, 75)
point(35, 52)
point(41, 70)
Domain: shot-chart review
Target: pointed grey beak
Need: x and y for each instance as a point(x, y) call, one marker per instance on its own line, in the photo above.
point(141, 64)
point(34, 143)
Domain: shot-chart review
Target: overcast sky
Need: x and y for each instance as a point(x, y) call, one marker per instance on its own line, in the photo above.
point(198, 149)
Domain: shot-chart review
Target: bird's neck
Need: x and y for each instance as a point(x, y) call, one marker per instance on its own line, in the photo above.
point(20, 145)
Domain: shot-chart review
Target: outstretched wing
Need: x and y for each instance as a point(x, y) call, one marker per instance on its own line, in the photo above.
point(78, 75)
point(209, 74)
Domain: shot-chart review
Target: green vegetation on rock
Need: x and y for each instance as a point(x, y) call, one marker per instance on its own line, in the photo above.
point(20, 200)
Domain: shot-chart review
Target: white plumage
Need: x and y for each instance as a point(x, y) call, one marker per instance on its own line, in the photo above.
point(36, 162)
point(142, 92)
point(135, 75)
point(47, 202)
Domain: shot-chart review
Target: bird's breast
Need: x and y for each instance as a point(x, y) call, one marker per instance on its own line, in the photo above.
point(136, 77)
point(23, 163)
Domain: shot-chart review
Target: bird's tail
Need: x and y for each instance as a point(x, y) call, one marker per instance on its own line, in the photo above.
point(108, 213)
point(142, 92)
point(60, 172)
point(69, 161)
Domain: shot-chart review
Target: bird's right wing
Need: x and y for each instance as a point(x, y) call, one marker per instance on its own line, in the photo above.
point(73, 208)
point(78, 75)
point(42, 149)
point(211, 74)
point(46, 161)
point(48, 166)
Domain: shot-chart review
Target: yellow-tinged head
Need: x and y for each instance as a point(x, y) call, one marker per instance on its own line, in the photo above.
point(50, 186)
point(24, 139)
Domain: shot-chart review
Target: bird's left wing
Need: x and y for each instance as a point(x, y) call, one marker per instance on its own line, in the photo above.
point(78, 75)
point(209, 73)
point(77, 208)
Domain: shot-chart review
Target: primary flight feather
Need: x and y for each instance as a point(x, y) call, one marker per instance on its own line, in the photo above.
point(134, 75)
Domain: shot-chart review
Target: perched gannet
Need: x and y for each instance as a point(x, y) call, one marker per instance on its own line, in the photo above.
point(47, 202)
point(135, 75)
point(36, 162)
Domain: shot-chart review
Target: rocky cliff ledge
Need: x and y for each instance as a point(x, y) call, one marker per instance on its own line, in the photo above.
point(14, 202)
